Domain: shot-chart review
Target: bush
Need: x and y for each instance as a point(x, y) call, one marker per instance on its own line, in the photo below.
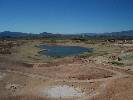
point(117, 63)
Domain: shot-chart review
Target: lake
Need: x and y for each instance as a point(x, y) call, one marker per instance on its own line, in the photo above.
point(62, 51)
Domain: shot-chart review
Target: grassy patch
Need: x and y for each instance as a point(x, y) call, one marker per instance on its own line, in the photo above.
point(117, 63)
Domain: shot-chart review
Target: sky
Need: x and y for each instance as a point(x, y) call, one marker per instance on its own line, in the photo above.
point(66, 16)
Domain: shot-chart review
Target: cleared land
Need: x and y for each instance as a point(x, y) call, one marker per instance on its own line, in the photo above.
point(104, 74)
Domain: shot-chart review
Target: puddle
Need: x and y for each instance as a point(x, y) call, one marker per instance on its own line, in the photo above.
point(62, 91)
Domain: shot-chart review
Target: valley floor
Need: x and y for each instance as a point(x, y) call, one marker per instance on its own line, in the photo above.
point(97, 76)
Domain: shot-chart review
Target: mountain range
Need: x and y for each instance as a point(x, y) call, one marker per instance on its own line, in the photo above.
point(10, 34)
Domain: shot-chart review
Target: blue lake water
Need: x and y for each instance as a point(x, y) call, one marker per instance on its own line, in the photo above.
point(62, 51)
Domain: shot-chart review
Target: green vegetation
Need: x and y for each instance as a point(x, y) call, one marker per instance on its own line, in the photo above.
point(117, 63)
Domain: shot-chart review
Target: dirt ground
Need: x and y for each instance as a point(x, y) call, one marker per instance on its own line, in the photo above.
point(95, 76)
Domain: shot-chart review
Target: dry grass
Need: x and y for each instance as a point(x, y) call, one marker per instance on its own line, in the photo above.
point(119, 89)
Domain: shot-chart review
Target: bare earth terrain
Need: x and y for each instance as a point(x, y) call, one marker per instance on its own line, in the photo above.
point(102, 75)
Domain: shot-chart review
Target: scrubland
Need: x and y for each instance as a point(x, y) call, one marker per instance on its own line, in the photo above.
point(104, 74)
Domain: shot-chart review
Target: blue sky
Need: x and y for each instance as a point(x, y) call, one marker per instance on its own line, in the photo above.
point(66, 16)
